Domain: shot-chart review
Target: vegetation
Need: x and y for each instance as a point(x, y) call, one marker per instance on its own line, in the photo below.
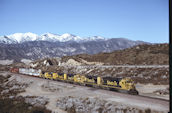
point(17, 105)
point(9, 103)
point(157, 54)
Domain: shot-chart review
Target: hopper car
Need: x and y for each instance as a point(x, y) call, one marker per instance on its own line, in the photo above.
point(125, 85)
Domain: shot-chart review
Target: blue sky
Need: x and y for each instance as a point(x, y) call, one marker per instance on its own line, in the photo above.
point(146, 20)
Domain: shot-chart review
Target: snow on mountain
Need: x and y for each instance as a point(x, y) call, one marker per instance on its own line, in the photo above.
point(61, 38)
point(7, 40)
point(24, 37)
point(42, 46)
point(69, 37)
point(95, 38)
point(48, 37)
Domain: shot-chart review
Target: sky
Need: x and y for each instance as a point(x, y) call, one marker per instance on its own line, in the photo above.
point(146, 20)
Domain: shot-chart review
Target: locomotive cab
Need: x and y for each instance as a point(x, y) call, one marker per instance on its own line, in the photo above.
point(128, 84)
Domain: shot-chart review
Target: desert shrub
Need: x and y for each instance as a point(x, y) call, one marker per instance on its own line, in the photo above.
point(147, 111)
point(71, 110)
point(19, 106)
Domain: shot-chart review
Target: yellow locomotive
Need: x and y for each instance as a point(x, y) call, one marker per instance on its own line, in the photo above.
point(116, 84)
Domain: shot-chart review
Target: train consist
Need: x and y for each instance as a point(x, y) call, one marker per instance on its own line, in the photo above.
point(125, 85)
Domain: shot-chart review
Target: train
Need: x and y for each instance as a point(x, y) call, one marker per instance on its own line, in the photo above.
point(124, 85)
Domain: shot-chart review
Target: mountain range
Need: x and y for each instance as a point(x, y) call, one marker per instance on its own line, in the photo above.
point(25, 37)
point(31, 46)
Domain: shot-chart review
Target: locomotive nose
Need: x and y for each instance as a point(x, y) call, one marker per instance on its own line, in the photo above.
point(130, 86)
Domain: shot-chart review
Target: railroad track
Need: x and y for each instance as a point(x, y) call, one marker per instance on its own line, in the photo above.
point(153, 98)
point(129, 66)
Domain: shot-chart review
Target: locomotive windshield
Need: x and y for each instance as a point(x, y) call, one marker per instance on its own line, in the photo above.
point(129, 81)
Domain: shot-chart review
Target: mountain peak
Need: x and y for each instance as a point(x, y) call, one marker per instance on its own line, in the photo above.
point(50, 34)
point(22, 37)
point(65, 35)
point(98, 37)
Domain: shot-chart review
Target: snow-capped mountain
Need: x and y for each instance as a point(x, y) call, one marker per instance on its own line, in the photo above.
point(31, 46)
point(25, 37)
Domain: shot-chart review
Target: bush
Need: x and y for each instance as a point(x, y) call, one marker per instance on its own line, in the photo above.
point(19, 106)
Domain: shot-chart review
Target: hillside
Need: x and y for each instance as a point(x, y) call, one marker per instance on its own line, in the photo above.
point(157, 54)
point(145, 64)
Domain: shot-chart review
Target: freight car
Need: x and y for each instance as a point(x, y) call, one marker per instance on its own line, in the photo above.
point(125, 85)
point(32, 72)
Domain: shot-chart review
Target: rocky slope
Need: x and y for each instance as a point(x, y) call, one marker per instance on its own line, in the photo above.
point(157, 54)
point(62, 97)
point(10, 102)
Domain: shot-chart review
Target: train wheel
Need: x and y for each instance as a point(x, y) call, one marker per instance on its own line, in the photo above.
point(113, 89)
point(89, 85)
point(133, 92)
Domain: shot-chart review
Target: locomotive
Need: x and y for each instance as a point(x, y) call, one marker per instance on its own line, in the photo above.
point(125, 85)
